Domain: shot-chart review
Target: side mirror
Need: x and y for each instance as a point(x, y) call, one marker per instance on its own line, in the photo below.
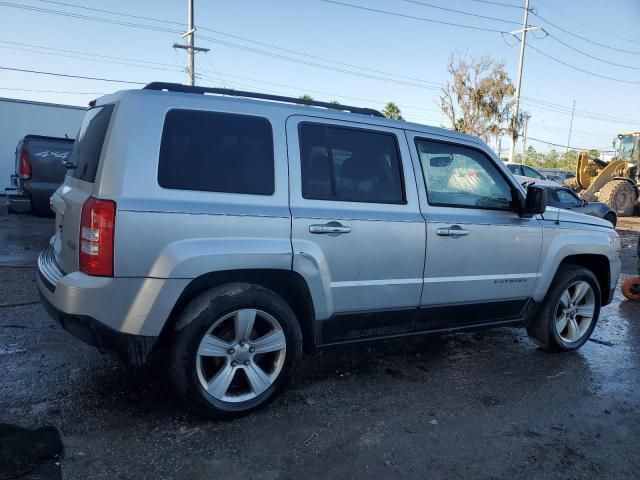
point(534, 203)
point(584, 203)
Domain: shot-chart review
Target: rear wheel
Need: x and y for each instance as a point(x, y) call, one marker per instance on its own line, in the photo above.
point(237, 346)
point(569, 312)
point(620, 195)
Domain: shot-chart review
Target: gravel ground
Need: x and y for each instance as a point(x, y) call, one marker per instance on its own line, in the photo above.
point(475, 405)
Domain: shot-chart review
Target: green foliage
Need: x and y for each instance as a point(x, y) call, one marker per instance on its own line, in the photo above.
point(306, 96)
point(551, 160)
point(392, 111)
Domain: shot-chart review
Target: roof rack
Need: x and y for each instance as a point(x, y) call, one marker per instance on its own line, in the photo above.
point(178, 87)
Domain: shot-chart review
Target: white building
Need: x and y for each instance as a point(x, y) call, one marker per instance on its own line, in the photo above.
point(23, 117)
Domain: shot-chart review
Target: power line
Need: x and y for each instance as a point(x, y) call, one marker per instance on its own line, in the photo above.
point(580, 111)
point(318, 65)
point(127, 63)
point(88, 17)
point(98, 19)
point(71, 76)
point(50, 91)
point(586, 39)
point(412, 17)
point(324, 59)
point(438, 7)
point(588, 54)
point(565, 146)
point(91, 54)
point(590, 27)
point(588, 72)
point(140, 17)
point(499, 3)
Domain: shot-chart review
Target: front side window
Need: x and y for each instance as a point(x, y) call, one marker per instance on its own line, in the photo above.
point(457, 176)
point(515, 169)
point(530, 172)
point(348, 164)
point(216, 152)
point(567, 198)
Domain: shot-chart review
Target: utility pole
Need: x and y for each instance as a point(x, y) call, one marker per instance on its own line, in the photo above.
point(526, 118)
point(516, 109)
point(190, 47)
point(571, 124)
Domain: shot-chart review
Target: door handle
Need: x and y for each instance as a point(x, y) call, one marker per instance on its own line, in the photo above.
point(453, 231)
point(331, 228)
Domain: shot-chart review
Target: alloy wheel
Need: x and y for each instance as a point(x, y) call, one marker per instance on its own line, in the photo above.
point(241, 355)
point(575, 311)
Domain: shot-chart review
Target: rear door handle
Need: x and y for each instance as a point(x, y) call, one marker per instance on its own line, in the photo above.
point(331, 228)
point(453, 231)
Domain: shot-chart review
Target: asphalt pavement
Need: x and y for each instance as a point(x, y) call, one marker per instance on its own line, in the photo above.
point(483, 405)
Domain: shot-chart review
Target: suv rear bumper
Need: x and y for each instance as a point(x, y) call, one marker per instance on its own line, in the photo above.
point(120, 315)
point(129, 348)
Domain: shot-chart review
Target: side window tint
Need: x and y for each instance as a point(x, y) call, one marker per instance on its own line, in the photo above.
point(216, 152)
point(458, 176)
point(351, 165)
point(515, 169)
point(567, 198)
point(530, 172)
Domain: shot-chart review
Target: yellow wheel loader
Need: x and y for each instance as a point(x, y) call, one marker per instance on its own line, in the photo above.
point(614, 182)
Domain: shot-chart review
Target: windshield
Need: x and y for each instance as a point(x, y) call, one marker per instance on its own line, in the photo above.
point(626, 146)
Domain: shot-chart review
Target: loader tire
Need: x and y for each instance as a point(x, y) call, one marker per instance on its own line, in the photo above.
point(620, 195)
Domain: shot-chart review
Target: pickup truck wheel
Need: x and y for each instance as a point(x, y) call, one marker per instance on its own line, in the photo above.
point(235, 348)
point(570, 311)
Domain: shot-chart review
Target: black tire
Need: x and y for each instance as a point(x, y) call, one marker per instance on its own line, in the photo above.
point(542, 329)
point(195, 321)
point(611, 218)
point(620, 195)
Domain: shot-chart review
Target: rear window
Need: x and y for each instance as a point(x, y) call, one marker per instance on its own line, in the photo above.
point(88, 145)
point(216, 152)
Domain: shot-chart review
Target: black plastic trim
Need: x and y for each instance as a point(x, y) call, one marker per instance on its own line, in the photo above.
point(359, 326)
point(129, 348)
point(178, 87)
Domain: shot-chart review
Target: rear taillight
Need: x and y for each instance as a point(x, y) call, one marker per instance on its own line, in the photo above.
point(25, 165)
point(97, 230)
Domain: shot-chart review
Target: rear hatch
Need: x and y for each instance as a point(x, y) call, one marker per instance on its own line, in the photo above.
point(46, 156)
point(78, 186)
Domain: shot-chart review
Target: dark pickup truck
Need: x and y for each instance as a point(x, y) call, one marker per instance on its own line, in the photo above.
point(40, 166)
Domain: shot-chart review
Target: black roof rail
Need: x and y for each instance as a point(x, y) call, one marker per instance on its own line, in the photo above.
point(178, 87)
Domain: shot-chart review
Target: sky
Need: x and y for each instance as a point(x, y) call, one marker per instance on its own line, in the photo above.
point(354, 55)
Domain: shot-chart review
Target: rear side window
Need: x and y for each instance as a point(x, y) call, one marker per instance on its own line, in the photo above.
point(88, 145)
point(216, 152)
point(349, 164)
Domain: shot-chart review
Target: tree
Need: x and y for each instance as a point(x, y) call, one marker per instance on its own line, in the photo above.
point(306, 96)
point(392, 111)
point(478, 98)
point(334, 102)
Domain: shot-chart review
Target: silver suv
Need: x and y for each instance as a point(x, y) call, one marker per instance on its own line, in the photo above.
point(229, 232)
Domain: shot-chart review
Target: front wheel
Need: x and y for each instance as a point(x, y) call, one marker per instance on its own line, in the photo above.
point(569, 312)
point(236, 347)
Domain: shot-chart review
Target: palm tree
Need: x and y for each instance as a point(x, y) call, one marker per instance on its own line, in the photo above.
point(392, 111)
